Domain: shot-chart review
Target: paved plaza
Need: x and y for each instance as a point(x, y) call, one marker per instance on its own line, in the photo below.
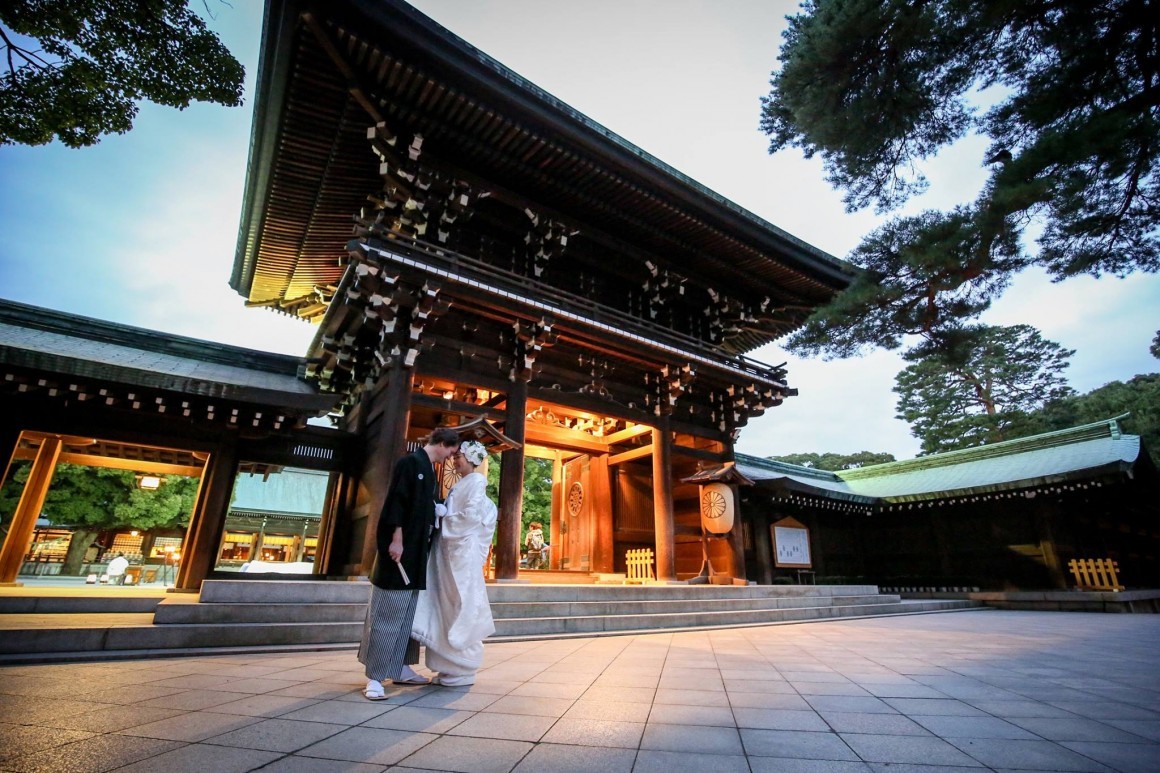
point(980, 690)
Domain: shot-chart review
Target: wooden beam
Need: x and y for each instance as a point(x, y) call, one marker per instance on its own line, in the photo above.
point(627, 434)
point(628, 456)
point(558, 437)
point(110, 463)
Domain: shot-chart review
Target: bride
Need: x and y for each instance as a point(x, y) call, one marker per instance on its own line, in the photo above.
point(454, 616)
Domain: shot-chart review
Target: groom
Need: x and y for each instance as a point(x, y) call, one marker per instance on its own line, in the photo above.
point(403, 539)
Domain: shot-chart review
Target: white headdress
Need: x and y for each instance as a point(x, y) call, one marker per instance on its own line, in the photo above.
point(473, 451)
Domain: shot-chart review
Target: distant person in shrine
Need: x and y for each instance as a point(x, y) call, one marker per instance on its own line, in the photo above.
point(536, 547)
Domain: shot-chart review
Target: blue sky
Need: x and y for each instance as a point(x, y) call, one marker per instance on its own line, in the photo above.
point(142, 228)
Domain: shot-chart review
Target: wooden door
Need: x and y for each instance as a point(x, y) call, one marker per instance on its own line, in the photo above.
point(576, 516)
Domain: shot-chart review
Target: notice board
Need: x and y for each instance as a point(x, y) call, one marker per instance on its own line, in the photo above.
point(791, 544)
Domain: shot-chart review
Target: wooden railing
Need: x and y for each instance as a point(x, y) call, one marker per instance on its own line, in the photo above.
point(639, 565)
point(1095, 573)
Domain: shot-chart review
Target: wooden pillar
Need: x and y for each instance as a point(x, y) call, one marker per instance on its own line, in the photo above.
point(9, 440)
point(762, 547)
point(28, 509)
point(737, 537)
point(663, 500)
point(392, 444)
point(511, 486)
point(198, 551)
point(557, 510)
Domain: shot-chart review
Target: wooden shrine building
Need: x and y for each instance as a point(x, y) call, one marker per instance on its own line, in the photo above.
point(469, 246)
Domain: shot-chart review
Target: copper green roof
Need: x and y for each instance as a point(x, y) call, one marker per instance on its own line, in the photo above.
point(1087, 451)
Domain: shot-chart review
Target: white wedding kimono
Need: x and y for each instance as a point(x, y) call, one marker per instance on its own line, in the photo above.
point(454, 616)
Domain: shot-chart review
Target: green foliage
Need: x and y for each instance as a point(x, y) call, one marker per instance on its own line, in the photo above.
point(979, 385)
point(95, 498)
point(1155, 347)
point(537, 504)
point(877, 86)
point(1139, 396)
point(834, 462)
point(76, 70)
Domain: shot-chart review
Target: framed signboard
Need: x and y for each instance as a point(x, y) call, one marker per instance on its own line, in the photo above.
point(791, 544)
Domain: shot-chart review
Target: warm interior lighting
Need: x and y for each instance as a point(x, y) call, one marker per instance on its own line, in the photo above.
point(134, 533)
point(448, 394)
point(149, 482)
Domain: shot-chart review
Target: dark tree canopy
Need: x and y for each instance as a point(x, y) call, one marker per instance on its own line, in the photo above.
point(877, 86)
point(835, 462)
point(1139, 397)
point(979, 386)
point(76, 69)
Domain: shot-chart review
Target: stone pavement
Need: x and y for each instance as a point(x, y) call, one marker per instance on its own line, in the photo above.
point(1002, 690)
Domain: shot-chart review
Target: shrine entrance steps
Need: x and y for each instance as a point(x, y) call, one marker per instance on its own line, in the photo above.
point(246, 615)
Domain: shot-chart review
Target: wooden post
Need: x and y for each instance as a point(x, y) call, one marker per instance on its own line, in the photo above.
point(737, 537)
point(557, 509)
point(198, 554)
point(392, 444)
point(28, 509)
point(762, 547)
point(511, 486)
point(663, 500)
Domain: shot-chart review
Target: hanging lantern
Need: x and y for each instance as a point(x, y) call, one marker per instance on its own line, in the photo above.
point(717, 508)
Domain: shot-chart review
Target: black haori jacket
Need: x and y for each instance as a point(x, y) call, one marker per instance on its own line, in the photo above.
point(410, 503)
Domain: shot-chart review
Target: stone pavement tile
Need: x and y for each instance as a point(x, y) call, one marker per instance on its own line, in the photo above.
point(894, 767)
point(866, 705)
point(198, 758)
point(1125, 694)
point(919, 750)
point(488, 686)
point(16, 740)
point(765, 686)
point(1050, 692)
point(754, 700)
point(468, 755)
point(785, 765)
point(620, 694)
point(1145, 728)
point(190, 727)
point(340, 712)
point(652, 761)
point(779, 719)
point(708, 680)
point(972, 727)
point(625, 680)
point(304, 674)
point(508, 727)
point(277, 735)
point(111, 719)
point(763, 673)
point(323, 691)
point(595, 732)
point(264, 705)
point(1143, 757)
point(245, 670)
point(829, 688)
point(614, 711)
point(945, 707)
point(31, 687)
point(191, 700)
point(832, 677)
point(795, 745)
point(32, 711)
point(1074, 729)
point(123, 694)
point(1025, 755)
point(877, 724)
point(538, 689)
point(576, 759)
point(397, 695)
point(718, 716)
point(92, 755)
point(539, 707)
point(1019, 708)
point(691, 697)
point(454, 699)
point(963, 689)
point(193, 681)
point(294, 764)
point(690, 738)
point(255, 686)
point(368, 744)
point(418, 719)
point(572, 677)
point(901, 690)
point(1105, 710)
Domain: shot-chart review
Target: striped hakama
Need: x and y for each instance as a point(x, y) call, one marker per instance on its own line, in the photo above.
point(386, 641)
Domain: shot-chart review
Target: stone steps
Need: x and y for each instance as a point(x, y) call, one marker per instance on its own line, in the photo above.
point(296, 613)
